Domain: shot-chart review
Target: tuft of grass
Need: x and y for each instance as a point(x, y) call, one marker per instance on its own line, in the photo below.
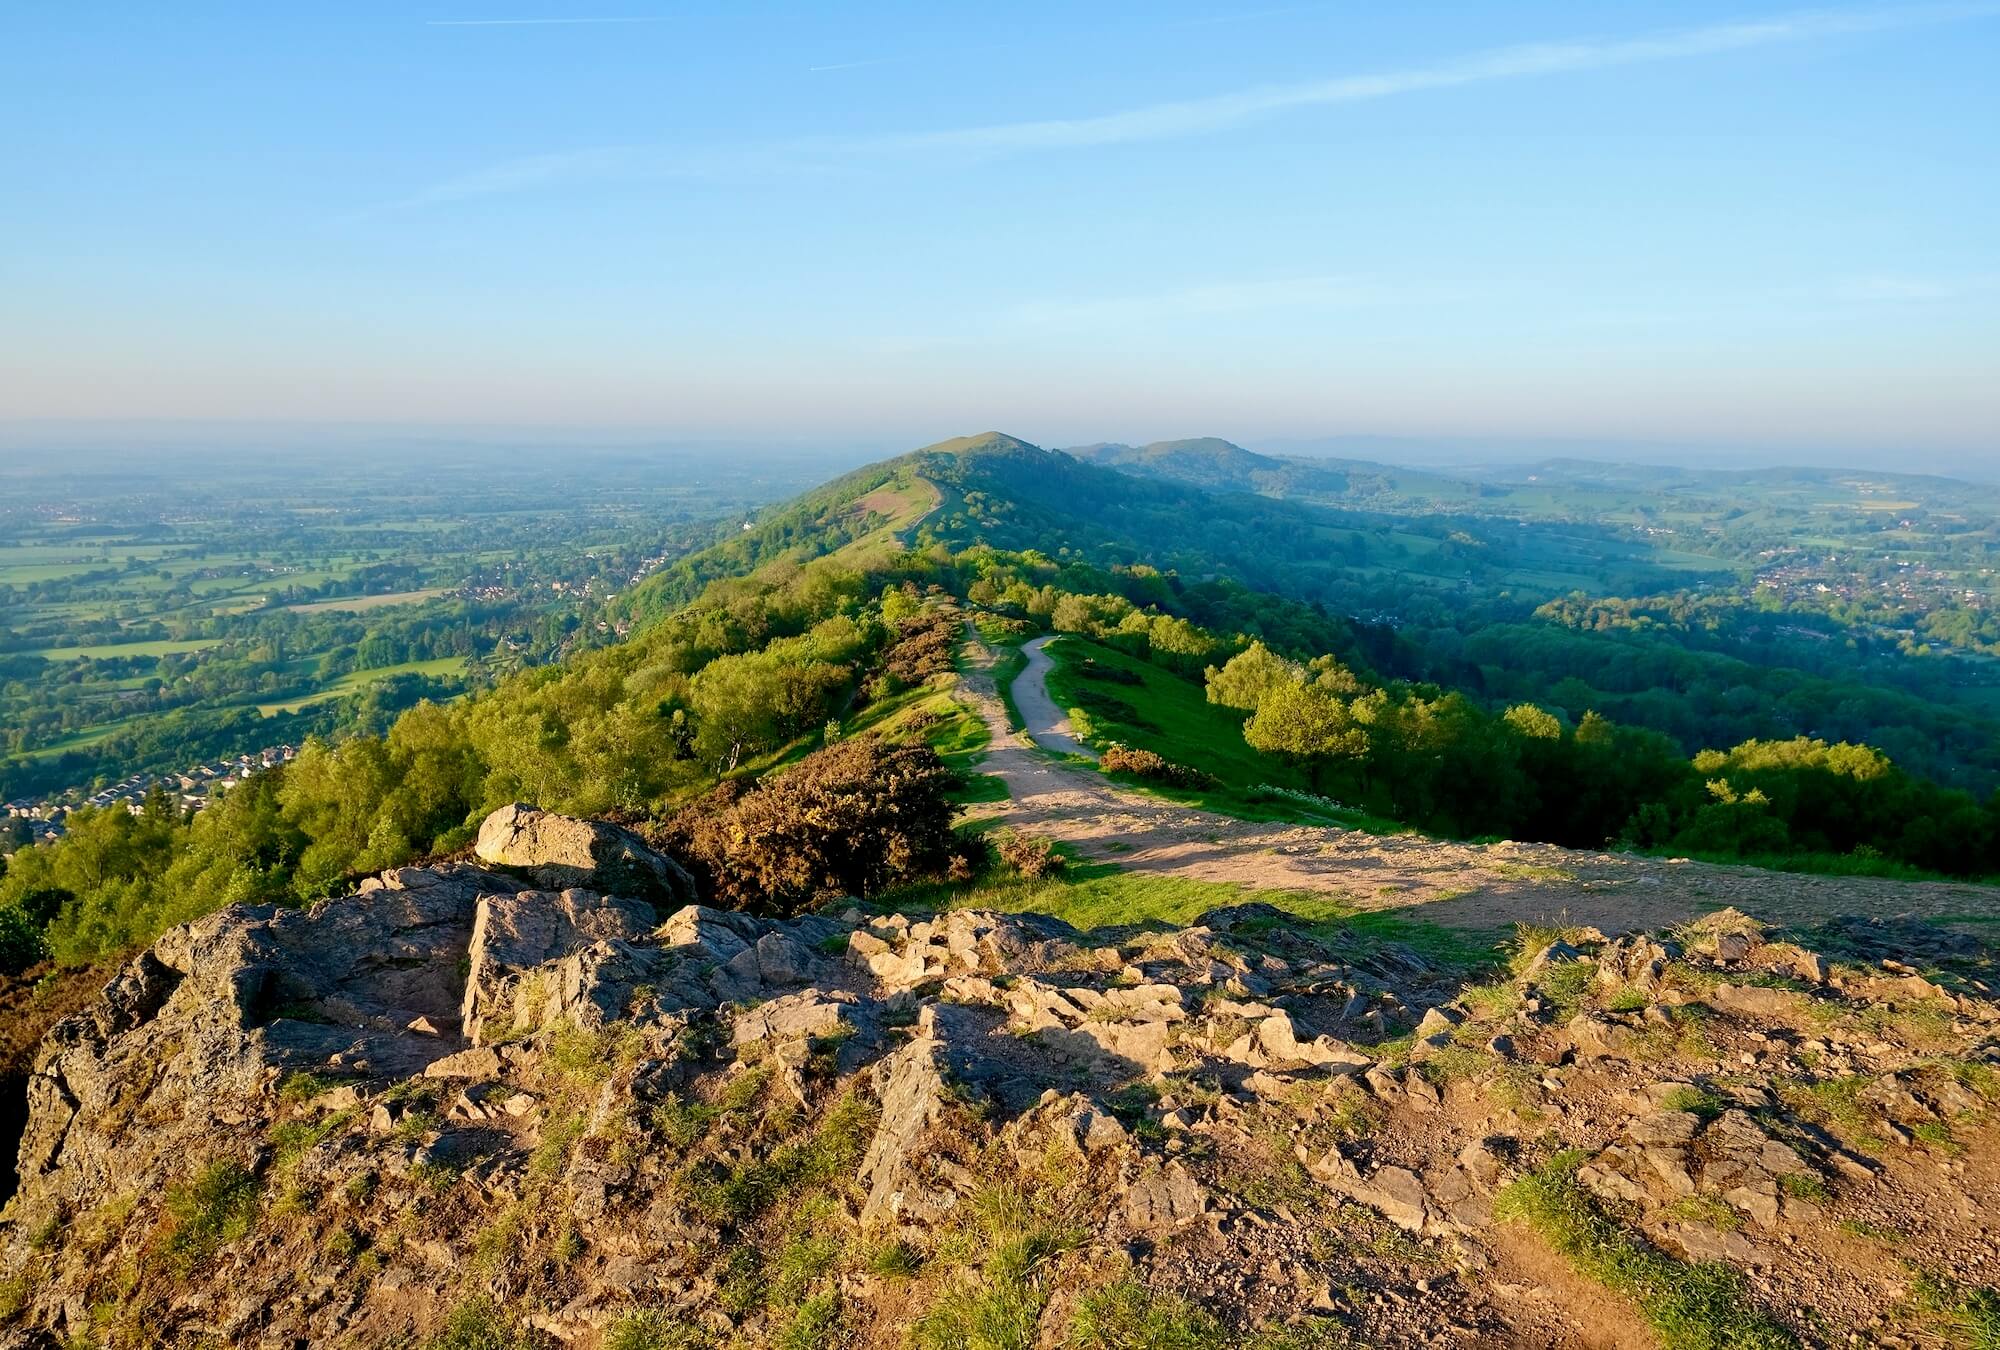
point(998, 1304)
point(1938, 1135)
point(1126, 1315)
point(1806, 1186)
point(896, 1260)
point(651, 1329)
point(1628, 999)
point(1689, 1307)
point(1972, 1311)
point(1530, 940)
point(217, 1205)
point(814, 1326)
point(1566, 985)
point(829, 1154)
point(300, 1087)
point(478, 1324)
point(1698, 1100)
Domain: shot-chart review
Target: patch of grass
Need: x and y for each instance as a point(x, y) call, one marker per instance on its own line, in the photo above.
point(1874, 1232)
point(1170, 715)
point(1970, 1310)
point(1689, 1307)
point(1530, 940)
point(1566, 984)
point(829, 1154)
point(998, 1304)
point(1936, 1134)
point(1628, 999)
point(301, 1087)
point(1698, 1100)
point(479, 1324)
point(652, 1329)
point(814, 1326)
point(217, 1205)
point(1835, 1102)
point(896, 1260)
point(1126, 1315)
point(294, 1139)
point(1806, 1186)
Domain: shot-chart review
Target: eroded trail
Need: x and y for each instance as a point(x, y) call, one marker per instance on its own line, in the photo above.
point(1463, 885)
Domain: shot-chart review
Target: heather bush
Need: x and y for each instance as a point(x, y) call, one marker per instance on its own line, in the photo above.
point(852, 819)
point(1153, 767)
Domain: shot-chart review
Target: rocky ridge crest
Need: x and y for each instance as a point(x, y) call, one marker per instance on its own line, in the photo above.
point(464, 1093)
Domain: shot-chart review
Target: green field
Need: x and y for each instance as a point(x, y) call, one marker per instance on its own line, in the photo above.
point(361, 604)
point(104, 651)
point(360, 679)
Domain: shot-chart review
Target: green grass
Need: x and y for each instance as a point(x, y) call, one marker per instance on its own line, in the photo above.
point(1126, 1315)
point(217, 1205)
point(106, 650)
point(1972, 1312)
point(358, 604)
point(1102, 895)
point(1688, 1306)
point(653, 1330)
point(828, 1155)
point(1176, 720)
point(361, 679)
point(1185, 726)
point(998, 1304)
point(478, 1324)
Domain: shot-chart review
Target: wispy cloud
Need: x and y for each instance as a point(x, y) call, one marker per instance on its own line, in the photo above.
point(1196, 116)
point(854, 65)
point(538, 23)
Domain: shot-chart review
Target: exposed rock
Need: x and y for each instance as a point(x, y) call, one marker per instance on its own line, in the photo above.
point(561, 852)
point(657, 1110)
point(514, 936)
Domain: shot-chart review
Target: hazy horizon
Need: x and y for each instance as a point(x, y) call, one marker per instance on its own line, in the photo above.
point(1711, 230)
point(227, 440)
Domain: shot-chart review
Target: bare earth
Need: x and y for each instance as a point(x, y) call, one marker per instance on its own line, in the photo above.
point(1486, 887)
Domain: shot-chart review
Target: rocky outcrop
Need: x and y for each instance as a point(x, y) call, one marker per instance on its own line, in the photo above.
point(562, 852)
point(556, 1108)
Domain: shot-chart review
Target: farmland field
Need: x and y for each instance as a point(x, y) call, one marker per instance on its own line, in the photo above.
point(146, 623)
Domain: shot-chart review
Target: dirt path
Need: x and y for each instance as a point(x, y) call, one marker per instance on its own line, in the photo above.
point(1485, 887)
point(1048, 725)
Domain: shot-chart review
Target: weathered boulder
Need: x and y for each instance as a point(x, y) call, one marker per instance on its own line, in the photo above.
point(515, 936)
point(560, 852)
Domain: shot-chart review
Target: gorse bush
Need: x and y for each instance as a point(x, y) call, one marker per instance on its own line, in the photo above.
point(852, 819)
point(1153, 767)
point(1031, 855)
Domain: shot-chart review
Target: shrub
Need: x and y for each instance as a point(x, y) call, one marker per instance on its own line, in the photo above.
point(924, 646)
point(1031, 855)
point(852, 819)
point(21, 943)
point(1153, 767)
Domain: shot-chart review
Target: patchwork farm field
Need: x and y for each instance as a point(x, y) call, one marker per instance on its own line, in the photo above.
point(145, 625)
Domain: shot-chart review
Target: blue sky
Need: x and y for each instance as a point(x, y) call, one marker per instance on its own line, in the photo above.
point(1680, 224)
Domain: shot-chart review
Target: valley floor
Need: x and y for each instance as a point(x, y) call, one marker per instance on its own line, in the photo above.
point(1485, 887)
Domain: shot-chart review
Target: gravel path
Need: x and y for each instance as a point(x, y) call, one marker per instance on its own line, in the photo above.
point(1485, 887)
point(1048, 725)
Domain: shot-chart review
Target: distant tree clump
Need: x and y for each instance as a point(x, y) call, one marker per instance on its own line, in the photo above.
point(853, 819)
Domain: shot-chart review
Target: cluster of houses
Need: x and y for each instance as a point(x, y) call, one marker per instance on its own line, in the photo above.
point(191, 789)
